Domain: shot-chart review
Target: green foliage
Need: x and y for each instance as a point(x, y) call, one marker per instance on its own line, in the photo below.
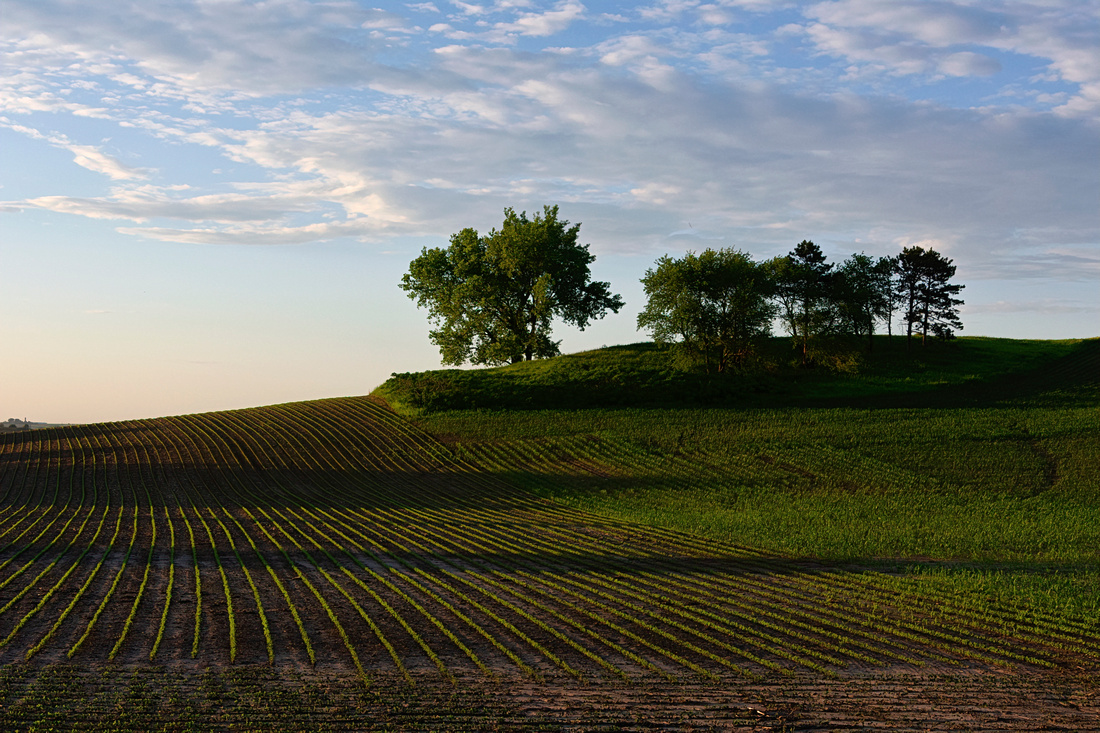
point(803, 287)
point(712, 308)
point(988, 474)
point(494, 297)
point(928, 297)
point(863, 293)
point(640, 375)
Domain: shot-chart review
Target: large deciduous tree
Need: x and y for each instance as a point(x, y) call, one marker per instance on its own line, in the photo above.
point(928, 297)
point(713, 307)
point(493, 297)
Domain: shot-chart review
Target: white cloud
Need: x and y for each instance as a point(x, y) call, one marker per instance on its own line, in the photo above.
point(547, 23)
point(714, 15)
point(1047, 307)
point(245, 49)
point(667, 10)
point(655, 193)
point(469, 8)
point(627, 129)
point(85, 156)
point(1040, 261)
point(97, 161)
point(934, 22)
point(767, 168)
point(967, 63)
point(939, 36)
point(257, 235)
point(628, 49)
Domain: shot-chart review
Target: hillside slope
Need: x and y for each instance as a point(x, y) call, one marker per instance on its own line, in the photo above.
point(977, 465)
point(331, 565)
point(963, 371)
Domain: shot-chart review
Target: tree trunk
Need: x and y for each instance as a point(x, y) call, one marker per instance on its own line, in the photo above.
point(529, 353)
point(909, 313)
point(924, 326)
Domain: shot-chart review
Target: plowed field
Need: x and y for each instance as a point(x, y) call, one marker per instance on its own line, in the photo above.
point(328, 565)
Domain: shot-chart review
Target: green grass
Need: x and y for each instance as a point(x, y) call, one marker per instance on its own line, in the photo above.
point(641, 375)
point(971, 464)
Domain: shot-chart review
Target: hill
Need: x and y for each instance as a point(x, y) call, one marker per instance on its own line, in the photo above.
point(965, 370)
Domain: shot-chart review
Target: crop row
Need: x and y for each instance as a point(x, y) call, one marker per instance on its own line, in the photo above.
point(336, 533)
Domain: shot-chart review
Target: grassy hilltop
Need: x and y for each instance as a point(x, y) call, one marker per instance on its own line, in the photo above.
point(971, 462)
point(642, 375)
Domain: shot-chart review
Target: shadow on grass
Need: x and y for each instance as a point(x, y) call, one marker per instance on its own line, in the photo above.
point(637, 376)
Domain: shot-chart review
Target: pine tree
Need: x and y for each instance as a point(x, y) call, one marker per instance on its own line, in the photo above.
point(929, 298)
point(804, 290)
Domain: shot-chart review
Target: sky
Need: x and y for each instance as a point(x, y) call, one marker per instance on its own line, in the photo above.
point(209, 204)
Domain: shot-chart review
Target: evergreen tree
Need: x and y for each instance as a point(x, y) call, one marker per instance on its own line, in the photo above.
point(804, 288)
point(892, 298)
point(928, 296)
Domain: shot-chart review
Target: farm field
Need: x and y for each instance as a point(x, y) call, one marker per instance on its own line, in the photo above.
point(985, 482)
point(331, 565)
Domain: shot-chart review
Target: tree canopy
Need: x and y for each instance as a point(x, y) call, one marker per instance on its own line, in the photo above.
point(928, 296)
point(711, 306)
point(804, 289)
point(863, 293)
point(493, 297)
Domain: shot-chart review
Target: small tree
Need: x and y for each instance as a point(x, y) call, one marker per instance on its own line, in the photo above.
point(928, 297)
point(713, 307)
point(494, 297)
point(862, 291)
point(892, 297)
point(804, 291)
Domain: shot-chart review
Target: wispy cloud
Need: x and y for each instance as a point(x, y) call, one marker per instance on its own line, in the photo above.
point(332, 120)
point(546, 23)
point(1047, 307)
point(910, 37)
point(85, 156)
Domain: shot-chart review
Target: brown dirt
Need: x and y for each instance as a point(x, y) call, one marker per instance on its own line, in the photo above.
point(261, 698)
point(548, 590)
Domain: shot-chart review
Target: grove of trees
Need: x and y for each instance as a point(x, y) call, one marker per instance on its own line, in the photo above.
point(714, 308)
point(493, 298)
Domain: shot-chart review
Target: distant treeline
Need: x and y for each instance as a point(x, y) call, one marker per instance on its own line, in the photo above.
point(714, 309)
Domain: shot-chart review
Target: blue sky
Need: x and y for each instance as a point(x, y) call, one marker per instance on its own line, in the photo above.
point(208, 205)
